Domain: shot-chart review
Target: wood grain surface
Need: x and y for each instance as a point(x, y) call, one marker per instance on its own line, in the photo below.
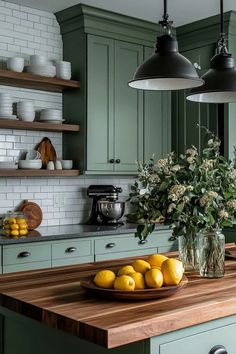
point(54, 297)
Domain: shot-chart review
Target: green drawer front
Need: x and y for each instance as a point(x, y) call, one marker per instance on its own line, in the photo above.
point(69, 261)
point(202, 343)
point(72, 249)
point(26, 266)
point(129, 242)
point(142, 252)
point(27, 253)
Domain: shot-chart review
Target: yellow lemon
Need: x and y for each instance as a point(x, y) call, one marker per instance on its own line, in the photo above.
point(12, 221)
point(105, 279)
point(141, 266)
point(23, 232)
point(172, 270)
point(156, 260)
point(138, 279)
point(23, 226)
point(20, 221)
point(126, 270)
point(154, 278)
point(124, 282)
point(14, 233)
point(14, 227)
point(155, 267)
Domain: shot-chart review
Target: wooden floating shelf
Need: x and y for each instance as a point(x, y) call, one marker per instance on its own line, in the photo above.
point(38, 173)
point(36, 82)
point(18, 124)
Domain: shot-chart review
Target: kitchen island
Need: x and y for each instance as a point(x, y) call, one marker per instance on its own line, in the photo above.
point(48, 312)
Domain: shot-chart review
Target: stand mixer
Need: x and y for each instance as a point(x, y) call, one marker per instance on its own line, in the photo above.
point(106, 209)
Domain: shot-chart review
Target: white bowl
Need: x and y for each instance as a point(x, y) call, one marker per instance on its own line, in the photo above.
point(63, 63)
point(27, 116)
point(67, 164)
point(42, 70)
point(15, 64)
point(63, 76)
point(30, 164)
point(51, 114)
point(38, 60)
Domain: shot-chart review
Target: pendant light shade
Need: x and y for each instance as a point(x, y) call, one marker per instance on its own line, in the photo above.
point(220, 80)
point(166, 69)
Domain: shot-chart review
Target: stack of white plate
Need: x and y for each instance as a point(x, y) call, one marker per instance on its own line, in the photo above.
point(40, 65)
point(8, 165)
point(51, 116)
point(6, 108)
point(63, 70)
point(25, 111)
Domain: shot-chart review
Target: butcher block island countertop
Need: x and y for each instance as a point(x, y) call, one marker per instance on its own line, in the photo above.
point(54, 298)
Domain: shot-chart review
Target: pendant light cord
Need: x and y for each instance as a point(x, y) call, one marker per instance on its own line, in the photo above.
point(222, 42)
point(165, 23)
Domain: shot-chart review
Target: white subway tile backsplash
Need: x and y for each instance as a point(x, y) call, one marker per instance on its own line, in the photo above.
point(25, 31)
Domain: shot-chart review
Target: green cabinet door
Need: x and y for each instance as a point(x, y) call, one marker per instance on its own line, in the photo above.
point(128, 124)
point(157, 120)
point(100, 102)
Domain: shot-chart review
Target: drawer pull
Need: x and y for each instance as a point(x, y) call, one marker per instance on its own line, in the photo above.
point(110, 245)
point(218, 349)
point(142, 242)
point(71, 249)
point(24, 254)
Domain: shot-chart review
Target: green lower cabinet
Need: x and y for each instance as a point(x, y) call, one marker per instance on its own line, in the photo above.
point(135, 253)
point(26, 256)
point(26, 336)
point(72, 252)
point(198, 339)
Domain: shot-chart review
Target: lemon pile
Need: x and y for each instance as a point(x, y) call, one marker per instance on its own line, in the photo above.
point(156, 271)
point(15, 227)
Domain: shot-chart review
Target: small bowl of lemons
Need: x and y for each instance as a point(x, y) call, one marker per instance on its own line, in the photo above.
point(15, 225)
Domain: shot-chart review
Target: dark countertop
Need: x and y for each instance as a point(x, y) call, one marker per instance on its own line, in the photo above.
point(73, 231)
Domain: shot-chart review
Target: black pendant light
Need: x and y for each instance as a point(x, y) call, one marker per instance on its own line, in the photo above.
point(166, 69)
point(220, 80)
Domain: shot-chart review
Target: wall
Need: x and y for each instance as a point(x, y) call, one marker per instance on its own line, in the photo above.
point(23, 32)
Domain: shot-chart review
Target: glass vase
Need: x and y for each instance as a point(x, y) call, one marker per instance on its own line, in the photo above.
point(212, 254)
point(189, 252)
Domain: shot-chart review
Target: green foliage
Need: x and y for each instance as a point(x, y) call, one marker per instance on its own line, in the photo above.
point(188, 192)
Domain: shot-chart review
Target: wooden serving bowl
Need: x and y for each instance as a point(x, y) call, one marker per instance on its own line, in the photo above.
point(136, 295)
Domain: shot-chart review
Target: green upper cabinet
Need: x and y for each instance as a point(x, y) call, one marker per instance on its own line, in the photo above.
point(100, 112)
point(119, 125)
point(197, 42)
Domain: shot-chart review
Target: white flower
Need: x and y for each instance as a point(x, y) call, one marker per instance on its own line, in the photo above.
point(231, 204)
point(175, 168)
point(190, 159)
point(208, 198)
point(207, 164)
point(212, 194)
point(176, 191)
point(186, 199)
point(223, 214)
point(154, 178)
point(189, 188)
point(171, 207)
point(191, 152)
point(143, 191)
point(162, 163)
point(204, 200)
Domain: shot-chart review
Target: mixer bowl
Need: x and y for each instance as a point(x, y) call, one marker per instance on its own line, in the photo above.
point(110, 212)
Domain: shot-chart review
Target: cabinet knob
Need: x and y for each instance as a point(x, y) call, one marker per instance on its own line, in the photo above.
point(24, 254)
point(117, 160)
point(112, 161)
point(218, 349)
point(142, 242)
point(71, 249)
point(110, 245)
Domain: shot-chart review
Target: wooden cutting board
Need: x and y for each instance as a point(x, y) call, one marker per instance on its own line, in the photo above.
point(33, 213)
point(47, 151)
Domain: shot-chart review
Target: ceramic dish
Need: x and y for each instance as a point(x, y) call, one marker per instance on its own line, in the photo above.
point(136, 295)
point(42, 70)
point(12, 117)
point(30, 164)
